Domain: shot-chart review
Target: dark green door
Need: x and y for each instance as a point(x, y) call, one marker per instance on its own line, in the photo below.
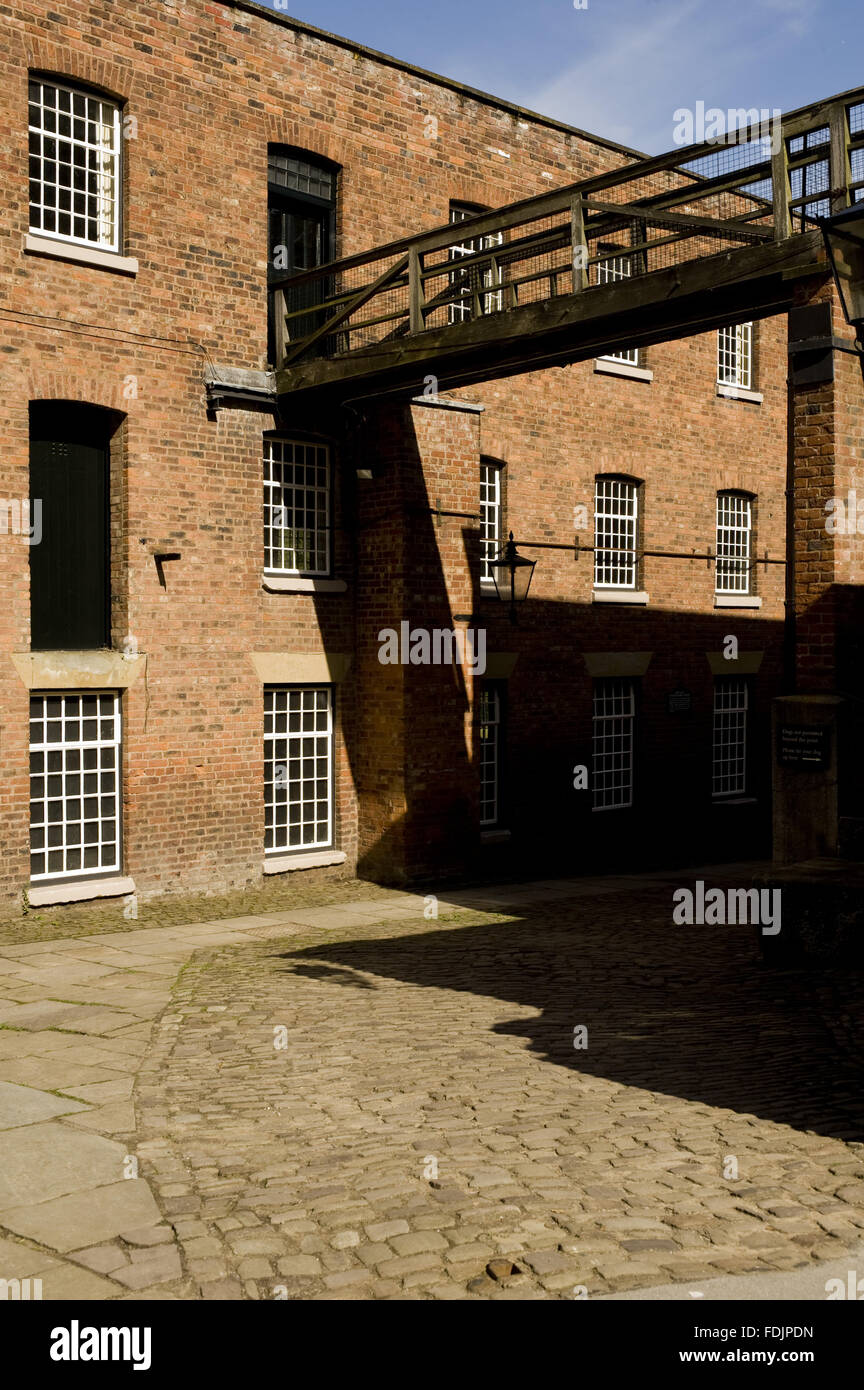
point(69, 568)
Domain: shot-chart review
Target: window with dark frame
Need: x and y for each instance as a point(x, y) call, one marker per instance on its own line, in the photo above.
point(301, 210)
point(729, 752)
point(491, 757)
point(614, 725)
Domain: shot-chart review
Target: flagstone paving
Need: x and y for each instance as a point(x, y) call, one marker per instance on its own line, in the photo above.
point(363, 1102)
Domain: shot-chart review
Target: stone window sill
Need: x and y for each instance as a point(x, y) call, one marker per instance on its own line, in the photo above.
point(602, 364)
point(315, 859)
point(83, 255)
point(635, 596)
point(737, 601)
point(735, 801)
point(492, 836)
point(738, 393)
point(79, 890)
point(296, 584)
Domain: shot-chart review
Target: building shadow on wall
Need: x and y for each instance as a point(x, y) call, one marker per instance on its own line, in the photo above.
point(416, 775)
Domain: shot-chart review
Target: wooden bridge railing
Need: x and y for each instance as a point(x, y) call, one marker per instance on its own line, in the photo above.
point(756, 184)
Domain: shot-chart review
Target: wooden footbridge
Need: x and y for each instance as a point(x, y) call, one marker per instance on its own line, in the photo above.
point(707, 235)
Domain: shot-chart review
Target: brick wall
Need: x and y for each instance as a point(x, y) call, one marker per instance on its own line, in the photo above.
point(209, 85)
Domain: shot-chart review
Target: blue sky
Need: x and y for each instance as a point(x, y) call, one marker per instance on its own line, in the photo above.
point(618, 68)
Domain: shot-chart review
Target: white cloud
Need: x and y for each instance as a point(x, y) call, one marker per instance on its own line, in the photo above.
point(639, 63)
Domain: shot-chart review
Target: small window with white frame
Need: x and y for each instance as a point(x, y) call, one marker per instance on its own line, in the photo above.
point(607, 272)
point(74, 784)
point(491, 723)
point(729, 753)
point(614, 720)
point(734, 543)
point(491, 515)
point(735, 356)
point(75, 175)
point(616, 508)
point(472, 279)
point(297, 502)
point(298, 768)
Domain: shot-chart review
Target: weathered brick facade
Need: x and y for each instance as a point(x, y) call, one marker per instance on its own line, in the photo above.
point(209, 86)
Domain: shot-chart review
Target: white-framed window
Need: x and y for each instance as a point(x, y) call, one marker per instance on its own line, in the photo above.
point(298, 768)
point(734, 530)
point(75, 184)
point(614, 719)
point(491, 515)
point(491, 752)
point(296, 507)
point(616, 503)
point(473, 279)
point(735, 356)
point(617, 268)
point(729, 755)
point(75, 741)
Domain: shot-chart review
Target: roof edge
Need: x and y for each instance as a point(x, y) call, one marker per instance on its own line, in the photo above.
point(276, 17)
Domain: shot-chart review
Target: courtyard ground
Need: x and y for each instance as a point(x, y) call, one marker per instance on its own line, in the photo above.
point(365, 1100)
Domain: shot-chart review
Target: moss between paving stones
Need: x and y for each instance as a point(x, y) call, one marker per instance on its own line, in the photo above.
point(106, 915)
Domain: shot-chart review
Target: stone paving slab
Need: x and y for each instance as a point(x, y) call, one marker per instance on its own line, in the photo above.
point(40, 1161)
point(22, 1105)
point(85, 1218)
point(412, 1042)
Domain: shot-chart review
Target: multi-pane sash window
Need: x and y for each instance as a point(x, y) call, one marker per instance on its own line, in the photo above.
point(735, 356)
point(734, 523)
point(472, 279)
point(74, 784)
point(617, 268)
point(490, 754)
point(298, 760)
point(490, 516)
point(615, 517)
point(729, 760)
point(296, 507)
point(613, 734)
point(74, 165)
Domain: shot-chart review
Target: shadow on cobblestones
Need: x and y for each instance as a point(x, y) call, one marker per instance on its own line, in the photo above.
point(389, 1139)
point(691, 1012)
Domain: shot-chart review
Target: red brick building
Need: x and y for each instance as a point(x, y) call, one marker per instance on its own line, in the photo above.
point(208, 705)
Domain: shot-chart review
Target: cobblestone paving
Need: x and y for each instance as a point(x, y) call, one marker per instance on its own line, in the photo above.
point(429, 1114)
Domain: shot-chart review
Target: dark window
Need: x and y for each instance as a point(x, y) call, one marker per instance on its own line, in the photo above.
point(301, 204)
point(69, 568)
point(491, 759)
